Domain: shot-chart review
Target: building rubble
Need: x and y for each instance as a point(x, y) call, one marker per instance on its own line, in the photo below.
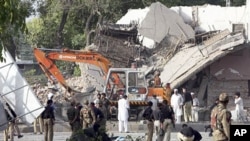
point(180, 42)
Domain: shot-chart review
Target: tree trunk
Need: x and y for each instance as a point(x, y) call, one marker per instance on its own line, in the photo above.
point(87, 27)
point(66, 4)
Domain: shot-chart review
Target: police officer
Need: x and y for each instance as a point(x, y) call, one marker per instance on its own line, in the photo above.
point(99, 116)
point(106, 103)
point(71, 114)
point(166, 121)
point(103, 109)
point(148, 115)
point(221, 130)
point(87, 115)
point(49, 121)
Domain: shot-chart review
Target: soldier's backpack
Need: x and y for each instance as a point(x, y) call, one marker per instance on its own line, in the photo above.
point(216, 123)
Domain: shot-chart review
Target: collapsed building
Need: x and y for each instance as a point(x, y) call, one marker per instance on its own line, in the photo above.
point(199, 47)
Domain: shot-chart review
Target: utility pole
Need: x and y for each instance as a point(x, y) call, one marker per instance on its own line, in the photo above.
point(228, 3)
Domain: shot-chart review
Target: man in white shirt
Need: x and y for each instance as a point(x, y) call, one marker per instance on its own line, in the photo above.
point(176, 103)
point(195, 108)
point(155, 101)
point(239, 108)
point(123, 106)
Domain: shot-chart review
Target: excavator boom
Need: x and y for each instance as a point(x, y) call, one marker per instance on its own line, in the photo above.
point(46, 62)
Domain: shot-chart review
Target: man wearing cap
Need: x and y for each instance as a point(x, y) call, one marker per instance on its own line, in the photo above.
point(221, 132)
point(176, 103)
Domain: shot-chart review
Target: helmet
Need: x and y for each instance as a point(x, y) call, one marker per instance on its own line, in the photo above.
point(86, 102)
point(223, 97)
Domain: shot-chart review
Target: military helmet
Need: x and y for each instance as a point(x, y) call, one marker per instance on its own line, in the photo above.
point(223, 97)
point(86, 102)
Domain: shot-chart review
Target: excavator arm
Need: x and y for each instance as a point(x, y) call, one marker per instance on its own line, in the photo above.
point(46, 62)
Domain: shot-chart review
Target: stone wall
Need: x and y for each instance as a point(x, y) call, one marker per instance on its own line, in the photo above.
point(215, 87)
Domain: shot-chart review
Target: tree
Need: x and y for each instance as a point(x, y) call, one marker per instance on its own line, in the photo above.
point(12, 22)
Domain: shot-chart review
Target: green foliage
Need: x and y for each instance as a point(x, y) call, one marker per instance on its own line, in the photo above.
point(77, 71)
point(30, 72)
point(12, 20)
point(43, 32)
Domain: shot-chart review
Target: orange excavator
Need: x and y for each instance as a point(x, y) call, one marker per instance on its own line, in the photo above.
point(118, 81)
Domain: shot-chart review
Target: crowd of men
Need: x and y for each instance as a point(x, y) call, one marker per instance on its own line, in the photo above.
point(161, 117)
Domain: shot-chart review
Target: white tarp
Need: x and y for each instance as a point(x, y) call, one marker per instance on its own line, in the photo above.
point(16, 91)
point(161, 21)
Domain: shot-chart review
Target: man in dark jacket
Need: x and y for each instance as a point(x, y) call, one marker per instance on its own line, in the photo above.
point(49, 121)
point(148, 115)
point(166, 121)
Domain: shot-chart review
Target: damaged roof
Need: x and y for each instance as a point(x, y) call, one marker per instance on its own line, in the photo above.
point(189, 61)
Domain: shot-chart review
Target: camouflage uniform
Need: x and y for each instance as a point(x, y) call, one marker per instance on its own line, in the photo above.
point(221, 132)
point(87, 116)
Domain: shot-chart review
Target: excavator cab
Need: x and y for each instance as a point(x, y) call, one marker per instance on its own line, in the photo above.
point(126, 81)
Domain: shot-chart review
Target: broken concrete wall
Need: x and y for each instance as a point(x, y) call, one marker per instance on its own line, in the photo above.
point(234, 66)
point(220, 18)
point(161, 21)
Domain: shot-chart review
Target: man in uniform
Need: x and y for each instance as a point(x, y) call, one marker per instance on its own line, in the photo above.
point(221, 119)
point(87, 115)
point(167, 121)
point(106, 103)
point(148, 115)
point(71, 114)
point(103, 109)
point(49, 121)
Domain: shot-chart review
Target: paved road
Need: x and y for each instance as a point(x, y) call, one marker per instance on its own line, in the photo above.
point(62, 136)
point(136, 130)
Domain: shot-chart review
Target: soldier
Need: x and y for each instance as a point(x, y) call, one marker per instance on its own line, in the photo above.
point(221, 119)
point(87, 115)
